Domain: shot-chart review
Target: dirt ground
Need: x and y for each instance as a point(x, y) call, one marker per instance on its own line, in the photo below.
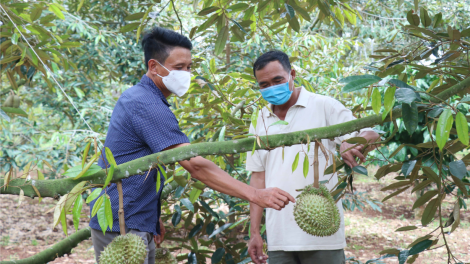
point(26, 229)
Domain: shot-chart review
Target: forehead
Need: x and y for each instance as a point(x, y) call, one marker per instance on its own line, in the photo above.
point(179, 55)
point(271, 70)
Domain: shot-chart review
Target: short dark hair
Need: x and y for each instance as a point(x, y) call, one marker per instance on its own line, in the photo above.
point(158, 42)
point(273, 55)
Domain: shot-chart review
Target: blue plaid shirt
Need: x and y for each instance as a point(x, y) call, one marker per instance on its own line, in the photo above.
point(141, 124)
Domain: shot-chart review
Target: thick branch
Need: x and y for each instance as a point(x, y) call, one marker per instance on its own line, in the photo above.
point(54, 188)
point(58, 250)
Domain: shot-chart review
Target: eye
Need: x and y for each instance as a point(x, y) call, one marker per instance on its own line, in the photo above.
point(179, 68)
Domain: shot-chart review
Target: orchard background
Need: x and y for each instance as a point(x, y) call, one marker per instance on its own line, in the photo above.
point(402, 67)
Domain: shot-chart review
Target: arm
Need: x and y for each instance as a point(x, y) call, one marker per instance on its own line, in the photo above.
point(217, 179)
point(255, 247)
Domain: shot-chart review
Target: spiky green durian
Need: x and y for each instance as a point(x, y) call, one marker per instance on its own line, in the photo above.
point(127, 249)
point(163, 256)
point(316, 213)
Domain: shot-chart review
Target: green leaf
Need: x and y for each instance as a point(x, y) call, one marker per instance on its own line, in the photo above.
point(135, 16)
point(376, 100)
point(458, 169)
point(66, 45)
point(430, 211)
point(408, 167)
point(356, 140)
point(410, 117)
point(220, 229)
point(359, 77)
point(221, 40)
point(74, 171)
point(196, 229)
point(63, 221)
point(80, 5)
point(296, 162)
point(109, 177)
point(462, 128)
point(97, 206)
point(108, 210)
point(306, 166)
point(110, 157)
point(163, 171)
point(159, 182)
point(217, 256)
point(194, 195)
point(254, 118)
point(222, 134)
point(358, 84)
point(187, 203)
point(402, 256)
point(294, 24)
point(413, 19)
point(15, 111)
point(212, 66)
point(290, 10)
point(4, 115)
point(280, 122)
point(54, 8)
point(425, 19)
point(437, 20)
point(360, 170)
point(208, 10)
point(36, 13)
point(389, 98)
point(129, 27)
point(237, 7)
point(85, 153)
point(101, 214)
point(405, 95)
point(424, 198)
point(76, 211)
point(420, 247)
point(93, 195)
point(406, 228)
point(432, 175)
point(301, 11)
point(444, 124)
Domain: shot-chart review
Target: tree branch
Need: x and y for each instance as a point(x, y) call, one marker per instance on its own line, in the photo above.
point(57, 187)
point(63, 247)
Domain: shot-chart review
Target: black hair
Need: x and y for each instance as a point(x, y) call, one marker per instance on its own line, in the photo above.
point(273, 55)
point(158, 42)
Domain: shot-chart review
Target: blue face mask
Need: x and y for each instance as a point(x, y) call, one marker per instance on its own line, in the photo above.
point(277, 94)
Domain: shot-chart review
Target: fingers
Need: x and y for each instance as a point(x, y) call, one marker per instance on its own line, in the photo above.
point(253, 255)
point(287, 195)
point(358, 154)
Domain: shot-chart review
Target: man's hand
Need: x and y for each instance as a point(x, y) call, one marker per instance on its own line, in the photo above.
point(272, 198)
point(349, 156)
point(159, 238)
point(255, 249)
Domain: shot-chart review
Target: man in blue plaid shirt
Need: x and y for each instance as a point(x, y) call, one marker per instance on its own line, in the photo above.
point(141, 124)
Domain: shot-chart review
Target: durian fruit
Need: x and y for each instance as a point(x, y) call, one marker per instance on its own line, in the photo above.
point(316, 213)
point(127, 249)
point(9, 101)
point(163, 256)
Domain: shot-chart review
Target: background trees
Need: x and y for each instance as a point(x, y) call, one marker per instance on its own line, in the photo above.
point(414, 50)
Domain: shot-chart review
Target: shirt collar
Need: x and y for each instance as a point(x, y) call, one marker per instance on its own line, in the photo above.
point(301, 101)
point(147, 82)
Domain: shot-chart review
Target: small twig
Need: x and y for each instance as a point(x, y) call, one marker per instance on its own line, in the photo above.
point(316, 170)
point(176, 12)
point(122, 224)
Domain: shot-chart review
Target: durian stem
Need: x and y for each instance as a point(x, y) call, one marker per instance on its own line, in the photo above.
point(316, 170)
point(122, 223)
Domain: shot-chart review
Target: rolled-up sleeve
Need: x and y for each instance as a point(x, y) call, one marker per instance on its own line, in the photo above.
point(338, 114)
point(157, 126)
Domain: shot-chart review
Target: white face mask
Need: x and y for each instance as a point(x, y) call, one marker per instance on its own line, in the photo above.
point(176, 82)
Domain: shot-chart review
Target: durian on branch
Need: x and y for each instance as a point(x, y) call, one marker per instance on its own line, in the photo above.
point(54, 188)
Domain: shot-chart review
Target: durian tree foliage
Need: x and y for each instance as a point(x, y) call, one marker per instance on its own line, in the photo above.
point(406, 69)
